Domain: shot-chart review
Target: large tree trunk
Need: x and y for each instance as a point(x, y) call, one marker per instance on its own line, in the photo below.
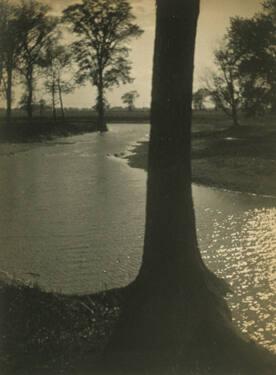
point(170, 239)
point(174, 320)
point(101, 122)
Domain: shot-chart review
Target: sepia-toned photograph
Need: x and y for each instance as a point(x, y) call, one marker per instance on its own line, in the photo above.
point(137, 187)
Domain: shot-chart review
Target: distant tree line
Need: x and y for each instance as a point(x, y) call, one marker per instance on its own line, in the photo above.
point(245, 78)
point(32, 49)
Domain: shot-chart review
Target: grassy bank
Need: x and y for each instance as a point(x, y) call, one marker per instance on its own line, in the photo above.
point(51, 333)
point(242, 159)
point(76, 122)
point(83, 121)
point(41, 129)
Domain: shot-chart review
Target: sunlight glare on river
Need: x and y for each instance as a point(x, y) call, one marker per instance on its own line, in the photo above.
point(241, 249)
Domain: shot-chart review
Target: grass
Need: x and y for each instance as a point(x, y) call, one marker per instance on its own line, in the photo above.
point(242, 159)
point(75, 122)
point(81, 121)
point(43, 332)
point(43, 128)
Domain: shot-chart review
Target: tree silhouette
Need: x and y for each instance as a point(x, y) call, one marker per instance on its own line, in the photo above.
point(246, 76)
point(129, 98)
point(175, 320)
point(58, 61)
point(252, 42)
point(103, 28)
point(35, 29)
point(270, 8)
point(9, 52)
point(224, 86)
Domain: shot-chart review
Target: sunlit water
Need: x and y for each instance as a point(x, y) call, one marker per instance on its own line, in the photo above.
point(72, 219)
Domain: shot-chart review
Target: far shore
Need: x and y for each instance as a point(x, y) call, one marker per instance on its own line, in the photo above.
point(44, 127)
point(242, 159)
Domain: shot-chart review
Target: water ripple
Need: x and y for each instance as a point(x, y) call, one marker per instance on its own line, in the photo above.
point(246, 258)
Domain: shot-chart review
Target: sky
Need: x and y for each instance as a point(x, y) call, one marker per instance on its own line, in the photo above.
point(213, 21)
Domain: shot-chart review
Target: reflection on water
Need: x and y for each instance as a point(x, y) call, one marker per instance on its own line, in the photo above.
point(72, 218)
point(241, 249)
point(71, 214)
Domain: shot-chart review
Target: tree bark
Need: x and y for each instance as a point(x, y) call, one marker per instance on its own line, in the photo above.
point(101, 122)
point(173, 319)
point(61, 100)
point(170, 238)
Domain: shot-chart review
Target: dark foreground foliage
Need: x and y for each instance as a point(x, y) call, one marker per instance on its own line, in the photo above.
point(49, 333)
point(44, 332)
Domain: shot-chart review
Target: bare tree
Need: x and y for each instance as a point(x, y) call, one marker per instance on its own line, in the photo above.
point(103, 28)
point(58, 65)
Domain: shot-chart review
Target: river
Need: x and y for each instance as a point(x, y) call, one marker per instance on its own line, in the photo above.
point(72, 220)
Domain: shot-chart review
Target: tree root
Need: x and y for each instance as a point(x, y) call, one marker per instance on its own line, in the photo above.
point(168, 332)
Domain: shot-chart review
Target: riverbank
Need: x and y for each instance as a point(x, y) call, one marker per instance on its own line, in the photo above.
point(84, 121)
point(76, 122)
point(50, 333)
point(43, 129)
point(240, 159)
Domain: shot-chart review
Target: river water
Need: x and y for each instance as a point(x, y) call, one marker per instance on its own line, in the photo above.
point(72, 220)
